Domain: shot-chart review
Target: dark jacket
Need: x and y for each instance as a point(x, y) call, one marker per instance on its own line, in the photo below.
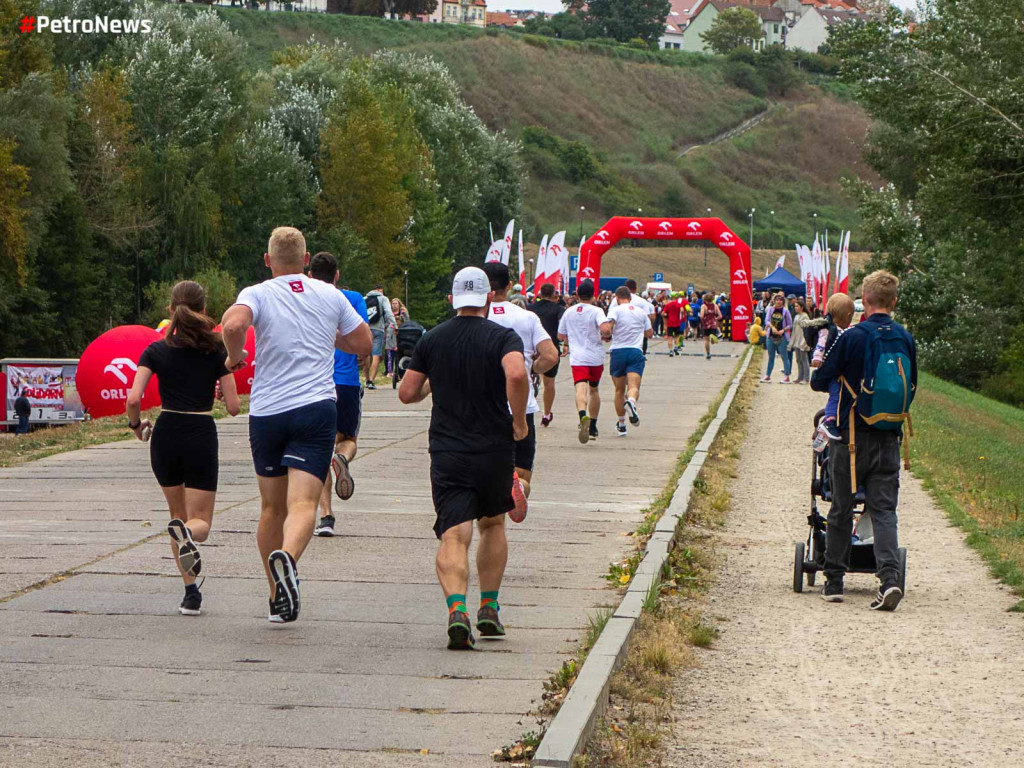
point(22, 407)
point(846, 358)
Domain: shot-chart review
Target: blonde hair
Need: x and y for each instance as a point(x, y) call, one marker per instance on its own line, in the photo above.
point(840, 306)
point(287, 246)
point(880, 288)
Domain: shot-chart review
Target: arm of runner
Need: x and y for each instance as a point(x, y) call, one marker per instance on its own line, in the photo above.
point(517, 389)
point(234, 325)
point(133, 406)
point(229, 394)
point(353, 334)
point(648, 329)
point(415, 387)
point(547, 356)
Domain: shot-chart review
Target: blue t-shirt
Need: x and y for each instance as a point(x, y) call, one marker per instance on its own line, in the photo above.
point(346, 367)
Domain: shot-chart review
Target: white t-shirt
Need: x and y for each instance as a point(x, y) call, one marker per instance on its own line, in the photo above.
point(630, 325)
point(582, 325)
point(295, 319)
point(528, 326)
point(636, 300)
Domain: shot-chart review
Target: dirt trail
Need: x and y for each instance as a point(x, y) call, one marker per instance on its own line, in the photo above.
point(794, 681)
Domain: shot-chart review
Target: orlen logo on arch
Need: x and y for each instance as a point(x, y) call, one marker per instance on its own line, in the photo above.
point(693, 229)
point(602, 238)
point(727, 240)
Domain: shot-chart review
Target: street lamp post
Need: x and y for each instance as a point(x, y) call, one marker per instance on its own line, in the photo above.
point(706, 244)
point(772, 237)
point(814, 219)
point(582, 209)
point(639, 212)
point(531, 274)
point(751, 215)
point(407, 289)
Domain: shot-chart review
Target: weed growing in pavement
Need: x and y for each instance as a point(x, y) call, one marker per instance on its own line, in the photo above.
point(702, 635)
point(523, 750)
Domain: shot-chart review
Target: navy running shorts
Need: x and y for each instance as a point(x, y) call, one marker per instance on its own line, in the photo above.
point(350, 409)
point(302, 438)
point(623, 361)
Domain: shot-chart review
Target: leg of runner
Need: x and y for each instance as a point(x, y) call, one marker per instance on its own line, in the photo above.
point(582, 396)
point(707, 344)
point(191, 515)
point(620, 404)
point(273, 511)
point(632, 396)
point(491, 558)
point(344, 453)
point(453, 575)
point(594, 407)
point(549, 398)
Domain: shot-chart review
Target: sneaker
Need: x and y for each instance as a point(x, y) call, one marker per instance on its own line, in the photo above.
point(535, 377)
point(188, 552)
point(785, 380)
point(827, 427)
point(487, 622)
point(766, 380)
point(546, 419)
point(833, 591)
point(620, 429)
point(709, 356)
point(714, 338)
point(191, 604)
point(584, 431)
point(285, 605)
point(518, 513)
point(593, 430)
point(888, 598)
point(460, 636)
point(634, 415)
point(344, 485)
point(325, 527)
point(370, 385)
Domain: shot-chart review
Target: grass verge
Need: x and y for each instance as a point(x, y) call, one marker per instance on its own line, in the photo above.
point(969, 452)
point(47, 441)
point(637, 720)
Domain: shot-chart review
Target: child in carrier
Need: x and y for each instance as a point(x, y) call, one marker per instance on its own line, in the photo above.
point(823, 334)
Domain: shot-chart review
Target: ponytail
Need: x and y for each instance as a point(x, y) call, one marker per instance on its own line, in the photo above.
point(190, 326)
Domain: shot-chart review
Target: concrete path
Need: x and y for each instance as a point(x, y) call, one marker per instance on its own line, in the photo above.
point(97, 668)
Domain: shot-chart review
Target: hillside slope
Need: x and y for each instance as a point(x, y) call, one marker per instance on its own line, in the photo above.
point(630, 115)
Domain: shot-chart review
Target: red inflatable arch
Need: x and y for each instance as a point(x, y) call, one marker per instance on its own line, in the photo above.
point(741, 293)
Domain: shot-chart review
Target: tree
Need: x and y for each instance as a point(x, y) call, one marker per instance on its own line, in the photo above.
point(627, 19)
point(13, 188)
point(732, 28)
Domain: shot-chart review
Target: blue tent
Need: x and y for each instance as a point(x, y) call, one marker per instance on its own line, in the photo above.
point(607, 283)
point(781, 280)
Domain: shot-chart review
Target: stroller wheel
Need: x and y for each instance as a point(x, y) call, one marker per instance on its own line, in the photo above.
point(798, 567)
point(901, 555)
point(810, 578)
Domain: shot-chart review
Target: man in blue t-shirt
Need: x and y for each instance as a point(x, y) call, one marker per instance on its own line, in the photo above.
point(324, 267)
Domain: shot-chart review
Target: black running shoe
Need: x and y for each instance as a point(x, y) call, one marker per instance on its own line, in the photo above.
point(620, 429)
point(325, 527)
point(488, 623)
point(191, 604)
point(188, 552)
point(593, 430)
point(370, 385)
point(888, 598)
point(634, 415)
point(833, 591)
point(460, 636)
point(285, 605)
point(344, 485)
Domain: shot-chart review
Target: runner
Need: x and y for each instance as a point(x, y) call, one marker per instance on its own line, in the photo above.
point(675, 311)
point(629, 327)
point(540, 355)
point(188, 362)
point(710, 314)
point(476, 372)
point(582, 327)
point(640, 302)
point(292, 414)
point(550, 312)
point(349, 404)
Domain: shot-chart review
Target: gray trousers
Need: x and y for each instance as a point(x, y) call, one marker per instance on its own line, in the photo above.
point(878, 473)
point(803, 365)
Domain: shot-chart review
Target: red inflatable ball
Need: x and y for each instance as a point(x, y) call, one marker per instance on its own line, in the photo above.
point(106, 370)
point(244, 376)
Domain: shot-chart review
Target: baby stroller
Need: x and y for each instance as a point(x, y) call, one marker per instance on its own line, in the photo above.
point(407, 337)
point(810, 555)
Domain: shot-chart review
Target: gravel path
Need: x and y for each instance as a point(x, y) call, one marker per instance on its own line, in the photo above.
point(794, 681)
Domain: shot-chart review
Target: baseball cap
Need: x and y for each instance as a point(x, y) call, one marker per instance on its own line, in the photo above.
point(470, 288)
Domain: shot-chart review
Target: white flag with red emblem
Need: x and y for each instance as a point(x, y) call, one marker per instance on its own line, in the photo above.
point(506, 245)
point(555, 257)
point(522, 265)
point(538, 273)
point(843, 266)
point(781, 263)
point(494, 252)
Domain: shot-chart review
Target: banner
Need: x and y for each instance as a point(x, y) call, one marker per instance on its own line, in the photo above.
point(781, 263)
point(522, 264)
point(494, 252)
point(506, 244)
point(50, 390)
point(843, 266)
point(555, 257)
point(538, 272)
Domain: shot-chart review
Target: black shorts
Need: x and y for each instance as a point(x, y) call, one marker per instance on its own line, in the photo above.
point(350, 409)
point(554, 371)
point(302, 438)
point(183, 451)
point(526, 449)
point(673, 330)
point(470, 486)
point(695, 323)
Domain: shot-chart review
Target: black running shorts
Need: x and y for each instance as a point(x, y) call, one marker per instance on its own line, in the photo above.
point(526, 449)
point(470, 486)
point(554, 371)
point(183, 451)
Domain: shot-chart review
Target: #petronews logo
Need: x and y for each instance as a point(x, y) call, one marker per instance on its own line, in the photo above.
point(94, 26)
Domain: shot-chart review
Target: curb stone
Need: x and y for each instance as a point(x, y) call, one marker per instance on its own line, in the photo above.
point(584, 704)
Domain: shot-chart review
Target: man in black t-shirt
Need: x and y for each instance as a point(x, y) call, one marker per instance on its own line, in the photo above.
point(475, 371)
point(549, 312)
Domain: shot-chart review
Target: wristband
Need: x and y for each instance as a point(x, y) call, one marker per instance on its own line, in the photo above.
point(135, 426)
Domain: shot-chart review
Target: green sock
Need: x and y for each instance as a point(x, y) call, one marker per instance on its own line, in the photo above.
point(489, 598)
point(456, 603)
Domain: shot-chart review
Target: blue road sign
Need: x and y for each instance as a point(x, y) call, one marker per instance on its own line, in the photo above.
point(689, 288)
point(659, 277)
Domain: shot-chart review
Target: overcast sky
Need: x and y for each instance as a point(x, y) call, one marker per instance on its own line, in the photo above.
point(553, 6)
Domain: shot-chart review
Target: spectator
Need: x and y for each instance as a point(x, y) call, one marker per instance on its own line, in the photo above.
point(22, 409)
point(400, 312)
point(378, 309)
point(798, 344)
point(779, 325)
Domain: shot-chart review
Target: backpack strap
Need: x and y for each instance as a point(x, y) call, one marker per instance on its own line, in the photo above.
point(853, 432)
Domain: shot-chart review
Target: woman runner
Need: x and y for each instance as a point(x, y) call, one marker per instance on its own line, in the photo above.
point(188, 363)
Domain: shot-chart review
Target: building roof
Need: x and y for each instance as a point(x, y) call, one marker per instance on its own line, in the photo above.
point(499, 19)
point(833, 17)
point(765, 12)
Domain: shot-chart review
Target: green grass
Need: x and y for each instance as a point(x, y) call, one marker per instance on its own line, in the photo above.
point(969, 451)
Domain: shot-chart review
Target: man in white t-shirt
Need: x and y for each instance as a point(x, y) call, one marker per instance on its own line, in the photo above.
point(583, 326)
point(641, 303)
point(540, 354)
point(298, 322)
point(630, 326)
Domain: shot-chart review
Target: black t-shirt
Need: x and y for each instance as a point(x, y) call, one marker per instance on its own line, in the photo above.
point(186, 377)
point(549, 313)
point(462, 359)
point(22, 406)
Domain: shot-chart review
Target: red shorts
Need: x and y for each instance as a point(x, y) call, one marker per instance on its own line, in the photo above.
point(588, 373)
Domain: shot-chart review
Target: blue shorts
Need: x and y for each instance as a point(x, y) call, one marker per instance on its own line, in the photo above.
point(349, 409)
point(629, 360)
point(302, 438)
point(378, 342)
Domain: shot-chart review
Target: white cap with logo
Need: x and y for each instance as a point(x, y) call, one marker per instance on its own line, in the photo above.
point(470, 288)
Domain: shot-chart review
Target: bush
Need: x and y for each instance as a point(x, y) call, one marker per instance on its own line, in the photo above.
point(221, 291)
point(745, 76)
point(638, 43)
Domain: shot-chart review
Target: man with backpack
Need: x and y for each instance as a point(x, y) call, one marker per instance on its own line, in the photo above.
point(380, 318)
point(876, 363)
